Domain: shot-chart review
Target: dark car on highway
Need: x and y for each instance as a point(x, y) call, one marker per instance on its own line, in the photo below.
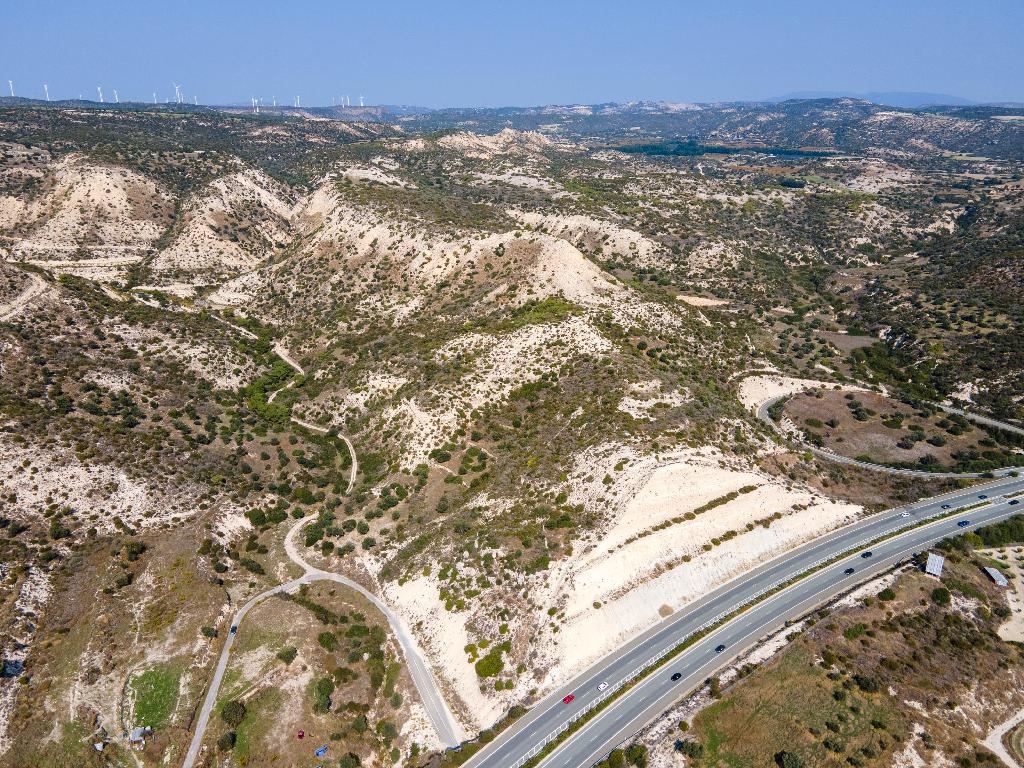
point(963, 523)
point(848, 571)
point(866, 555)
point(1014, 502)
point(945, 506)
point(982, 496)
point(676, 676)
point(234, 629)
point(719, 649)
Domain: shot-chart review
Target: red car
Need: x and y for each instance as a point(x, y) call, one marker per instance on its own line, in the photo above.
point(301, 734)
point(569, 699)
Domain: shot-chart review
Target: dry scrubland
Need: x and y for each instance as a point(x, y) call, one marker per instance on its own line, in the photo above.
point(546, 354)
point(905, 670)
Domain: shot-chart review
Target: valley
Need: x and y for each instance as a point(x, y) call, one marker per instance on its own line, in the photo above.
point(486, 385)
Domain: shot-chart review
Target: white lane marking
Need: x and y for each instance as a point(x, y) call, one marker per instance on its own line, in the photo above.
point(707, 640)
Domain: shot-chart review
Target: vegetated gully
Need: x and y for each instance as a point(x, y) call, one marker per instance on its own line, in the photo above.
point(441, 718)
point(647, 699)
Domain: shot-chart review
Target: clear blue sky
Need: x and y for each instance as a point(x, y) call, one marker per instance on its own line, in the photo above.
point(480, 53)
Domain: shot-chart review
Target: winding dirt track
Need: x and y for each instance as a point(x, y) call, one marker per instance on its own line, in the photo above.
point(448, 730)
point(13, 308)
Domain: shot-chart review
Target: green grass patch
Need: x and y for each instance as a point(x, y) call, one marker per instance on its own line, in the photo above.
point(156, 695)
point(260, 714)
point(550, 310)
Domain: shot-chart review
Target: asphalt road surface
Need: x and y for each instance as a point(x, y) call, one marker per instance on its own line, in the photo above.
point(981, 419)
point(762, 414)
point(440, 716)
point(645, 701)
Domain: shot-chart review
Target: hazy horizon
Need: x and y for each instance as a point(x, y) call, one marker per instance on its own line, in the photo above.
point(460, 54)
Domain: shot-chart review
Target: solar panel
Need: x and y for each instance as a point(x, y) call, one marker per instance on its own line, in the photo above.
point(934, 565)
point(997, 576)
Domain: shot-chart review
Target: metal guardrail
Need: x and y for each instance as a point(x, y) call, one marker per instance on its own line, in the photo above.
point(536, 749)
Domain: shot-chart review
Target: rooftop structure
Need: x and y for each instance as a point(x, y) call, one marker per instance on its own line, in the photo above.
point(997, 576)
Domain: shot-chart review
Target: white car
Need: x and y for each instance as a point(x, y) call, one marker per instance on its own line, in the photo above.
point(904, 514)
point(602, 686)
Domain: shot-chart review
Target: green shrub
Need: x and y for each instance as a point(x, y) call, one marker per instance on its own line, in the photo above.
point(788, 760)
point(233, 713)
point(226, 742)
point(854, 631)
point(637, 755)
point(490, 665)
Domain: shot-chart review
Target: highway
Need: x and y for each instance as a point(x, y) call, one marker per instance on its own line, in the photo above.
point(652, 696)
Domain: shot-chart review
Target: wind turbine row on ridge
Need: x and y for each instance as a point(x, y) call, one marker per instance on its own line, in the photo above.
point(179, 98)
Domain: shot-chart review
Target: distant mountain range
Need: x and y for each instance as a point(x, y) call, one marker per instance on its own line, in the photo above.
point(903, 99)
point(843, 124)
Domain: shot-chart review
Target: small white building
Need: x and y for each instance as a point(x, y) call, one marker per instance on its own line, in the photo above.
point(934, 565)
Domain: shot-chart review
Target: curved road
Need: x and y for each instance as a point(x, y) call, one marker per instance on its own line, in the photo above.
point(281, 352)
point(441, 718)
point(448, 730)
point(762, 414)
point(649, 698)
point(980, 419)
point(37, 287)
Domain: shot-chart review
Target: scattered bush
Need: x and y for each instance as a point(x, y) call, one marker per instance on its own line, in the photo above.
point(233, 713)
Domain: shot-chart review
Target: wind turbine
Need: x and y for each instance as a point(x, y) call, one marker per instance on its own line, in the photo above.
point(154, 97)
point(177, 92)
point(195, 100)
point(116, 100)
point(10, 84)
point(100, 92)
point(360, 101)
point(46, 90)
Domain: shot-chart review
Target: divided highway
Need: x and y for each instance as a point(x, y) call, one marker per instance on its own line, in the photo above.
point(649, 698)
